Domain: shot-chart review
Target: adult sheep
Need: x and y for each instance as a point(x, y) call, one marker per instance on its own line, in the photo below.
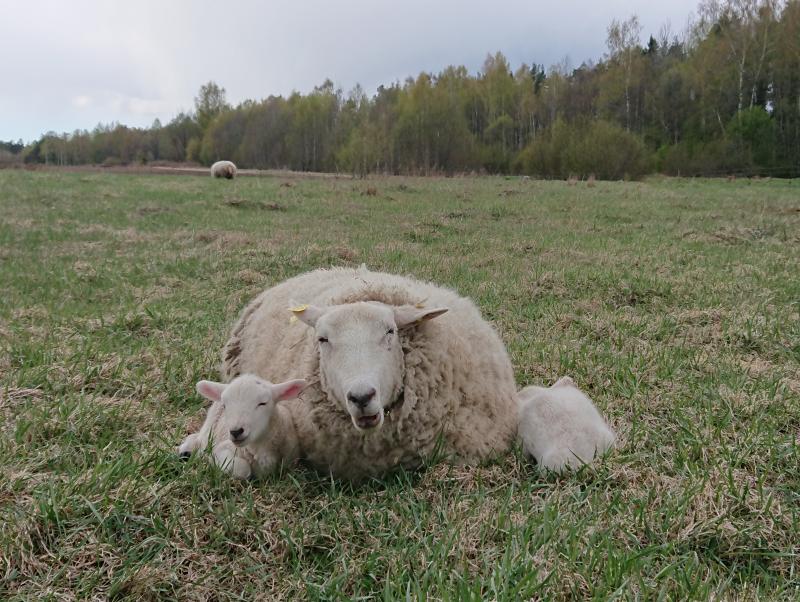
point(394, 366)
point(223, 169)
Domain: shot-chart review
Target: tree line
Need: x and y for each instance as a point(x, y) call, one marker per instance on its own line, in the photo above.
point(721, 97)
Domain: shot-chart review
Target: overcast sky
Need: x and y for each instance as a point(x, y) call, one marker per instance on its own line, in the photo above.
point(67, 64)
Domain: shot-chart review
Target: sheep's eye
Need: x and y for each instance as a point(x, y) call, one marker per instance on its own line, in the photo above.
point(323, 339)
point(263, 403)
point(390, 331)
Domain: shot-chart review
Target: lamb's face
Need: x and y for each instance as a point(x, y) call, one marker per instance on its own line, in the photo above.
point(361, 360)
point(249, 403)
point(248, 409)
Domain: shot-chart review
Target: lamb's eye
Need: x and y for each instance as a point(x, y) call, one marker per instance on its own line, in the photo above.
point(323, 339)
point(263, 403)
point(390, 332)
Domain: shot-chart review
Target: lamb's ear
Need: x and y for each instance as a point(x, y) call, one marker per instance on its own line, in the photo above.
point(288, 390)
point(211, 390)
point(307, 313)
point(409, 315)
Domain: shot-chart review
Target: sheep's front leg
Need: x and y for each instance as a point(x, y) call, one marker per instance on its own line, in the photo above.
point(198, 441)
point(227, 458)
point(265, 464)
point(190, 445)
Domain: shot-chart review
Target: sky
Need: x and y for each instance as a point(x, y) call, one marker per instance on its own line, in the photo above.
point(70, 65)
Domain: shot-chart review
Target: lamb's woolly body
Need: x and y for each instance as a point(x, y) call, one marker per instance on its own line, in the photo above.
point(458, 380)
point(560, 427)
point(223, 169)
point(258, 457)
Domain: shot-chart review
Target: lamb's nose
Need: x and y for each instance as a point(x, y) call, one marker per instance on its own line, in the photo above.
point(361, 398)
point(236, 433)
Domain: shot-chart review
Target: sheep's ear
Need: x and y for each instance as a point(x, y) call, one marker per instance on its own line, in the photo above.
point(288, 390)
point(211, 390)
point(410, 315)
point(564, 381)
point(308, 314)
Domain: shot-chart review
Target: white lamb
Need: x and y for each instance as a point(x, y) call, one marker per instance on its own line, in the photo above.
point(249, 432)
point(560, 427)
point(397, 368)
point(223, 169)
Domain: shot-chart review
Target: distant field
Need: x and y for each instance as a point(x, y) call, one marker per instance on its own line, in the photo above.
point(674, 303)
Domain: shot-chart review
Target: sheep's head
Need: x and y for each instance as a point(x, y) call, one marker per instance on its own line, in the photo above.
point(360, 357)
point(249, 402)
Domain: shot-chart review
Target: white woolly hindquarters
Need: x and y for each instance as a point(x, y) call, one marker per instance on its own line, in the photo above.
point(560, 427)
point(223, 169)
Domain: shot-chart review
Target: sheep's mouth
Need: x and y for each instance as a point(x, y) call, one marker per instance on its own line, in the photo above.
point(240, 441)
point(369, 422)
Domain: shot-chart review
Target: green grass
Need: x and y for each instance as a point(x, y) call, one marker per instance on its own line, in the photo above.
point(673, 303)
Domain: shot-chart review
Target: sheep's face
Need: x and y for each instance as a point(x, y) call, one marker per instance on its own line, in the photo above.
point(360, 357)
point(249, 402)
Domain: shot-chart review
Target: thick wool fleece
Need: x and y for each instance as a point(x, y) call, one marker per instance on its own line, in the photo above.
point(223, 169)
point(458, 380)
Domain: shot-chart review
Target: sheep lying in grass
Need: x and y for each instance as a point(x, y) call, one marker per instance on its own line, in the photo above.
point(560, 427)
point(395, 366)
point(223, 169)
point(249, 432)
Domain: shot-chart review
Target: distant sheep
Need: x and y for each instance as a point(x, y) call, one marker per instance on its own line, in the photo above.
point(560, 427)
point(249, 432)
point(223, 169)
point(397, 368)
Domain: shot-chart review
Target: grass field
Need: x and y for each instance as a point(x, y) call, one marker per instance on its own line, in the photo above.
point(674, 303)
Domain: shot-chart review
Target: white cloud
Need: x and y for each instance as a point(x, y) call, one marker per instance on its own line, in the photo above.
point(81, 101)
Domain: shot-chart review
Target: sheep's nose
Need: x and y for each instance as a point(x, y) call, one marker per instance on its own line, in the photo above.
point(361, 398)
point(236, 433)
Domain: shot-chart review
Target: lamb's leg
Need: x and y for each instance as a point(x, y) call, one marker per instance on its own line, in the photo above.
point(225, 457)
point(190, 445)
point(197, 441)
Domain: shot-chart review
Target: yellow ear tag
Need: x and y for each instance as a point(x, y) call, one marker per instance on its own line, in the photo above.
point(297, 310)
point(420, 305)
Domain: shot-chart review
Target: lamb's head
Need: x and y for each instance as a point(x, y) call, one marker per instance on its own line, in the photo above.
point(249, 402)
point(360, 356)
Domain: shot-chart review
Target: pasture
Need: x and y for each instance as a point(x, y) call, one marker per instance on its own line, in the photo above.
point(674, 303)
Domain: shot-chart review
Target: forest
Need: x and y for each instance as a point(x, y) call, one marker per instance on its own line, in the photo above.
point(721, 97)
